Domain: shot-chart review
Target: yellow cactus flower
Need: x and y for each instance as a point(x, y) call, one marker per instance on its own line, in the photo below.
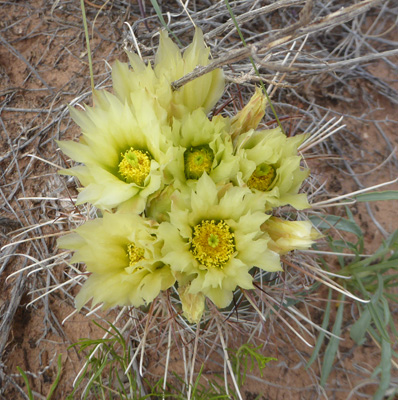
point(250, 116)
point(122, 253)
point(170, 65)
point(289, 235)
point(123, 149)
point(216, 240)
point(269, 163)
point(204, 147)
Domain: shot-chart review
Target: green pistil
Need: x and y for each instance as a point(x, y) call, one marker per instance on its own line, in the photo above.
point(262, 178)
point(213, 240)
point(135, 166)
point(213, 243)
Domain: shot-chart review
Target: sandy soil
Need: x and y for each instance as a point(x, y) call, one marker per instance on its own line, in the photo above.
point(43, 66)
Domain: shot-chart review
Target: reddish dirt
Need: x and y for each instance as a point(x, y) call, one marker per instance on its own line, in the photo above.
point(52, 42)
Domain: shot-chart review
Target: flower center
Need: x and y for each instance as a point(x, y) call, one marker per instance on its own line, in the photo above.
point(135, 166)
point(197, 160)
point(262, 177)
point(212, 243)
point(135, 254)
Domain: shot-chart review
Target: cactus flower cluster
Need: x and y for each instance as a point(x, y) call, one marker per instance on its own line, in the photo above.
point(186, 200)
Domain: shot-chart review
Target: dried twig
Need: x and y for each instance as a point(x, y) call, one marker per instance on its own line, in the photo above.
point(312, 67)
point(13, 304)
point(283, 36)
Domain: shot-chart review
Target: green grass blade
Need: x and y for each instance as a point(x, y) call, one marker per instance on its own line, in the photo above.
point(386, 309)
point(378, 320)
point(328, 221)
point(94, 377)
point(322, 334)
point(376, 312)
point(77, 385)
point(196, 383)
point(392, 243)
point(385, 365)
point(378, 196)
point(360, 244)
point(57, 378)
point(380, 267)
point(358, 330)
point(90, 62)
point(361, 265)
point(25, 378)
point(158, 11)
point(331, 349)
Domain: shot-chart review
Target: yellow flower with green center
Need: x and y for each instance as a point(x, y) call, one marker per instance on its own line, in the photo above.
point(289, 235)
point(135, 166)
point(123, 149)
point(262, 177)
point(270, 165)
point(212, 243)
point(204, 146)
point(201, 146)
point(198, 160)
point(214, 238)
point(170, 65)
point(123, 255)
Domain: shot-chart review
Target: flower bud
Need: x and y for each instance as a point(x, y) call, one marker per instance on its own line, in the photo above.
point(193, 305)
point(250, 116)
point(289, 235)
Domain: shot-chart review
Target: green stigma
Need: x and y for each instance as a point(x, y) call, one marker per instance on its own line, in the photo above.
point(213, 240)
point(135, 166)
point(212, 243)
point(198, 160)
point(262, 178)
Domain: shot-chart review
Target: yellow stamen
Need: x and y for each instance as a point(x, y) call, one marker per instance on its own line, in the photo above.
point(212, 243)
point(198, 160)
point(135, 254)
point(135, 166)
point(262, 178)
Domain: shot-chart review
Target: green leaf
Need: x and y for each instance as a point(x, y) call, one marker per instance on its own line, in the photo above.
point(358, 330)
point(383, 250)
point(57, 378)
point(331, 349)
point(322, 334)
point(385, 365)
point(377, 316)
point(196, 383)
point(25, 378)
point(163, 22)
point(380, 267)
point(245, 353)
point(386, 308)
point(378, 196)
point(377, 312)
point(333, 221)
